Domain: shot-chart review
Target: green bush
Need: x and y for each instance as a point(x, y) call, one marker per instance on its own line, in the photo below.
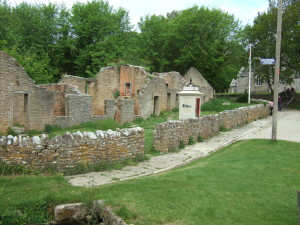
point(200, 139)
point(175, 110)
point(32, 133)
point(51, 128)
point(181, 145)
point(242, 98)
point(191, 141)
point(10, 131)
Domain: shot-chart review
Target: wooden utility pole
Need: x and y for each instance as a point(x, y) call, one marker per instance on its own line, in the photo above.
point(277, 72)
point(250, 73)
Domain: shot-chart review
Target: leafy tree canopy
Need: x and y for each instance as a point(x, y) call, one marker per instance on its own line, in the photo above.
point(50, 40)
point(263, 37)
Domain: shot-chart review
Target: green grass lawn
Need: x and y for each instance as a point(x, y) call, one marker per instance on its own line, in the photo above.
point(251, 182)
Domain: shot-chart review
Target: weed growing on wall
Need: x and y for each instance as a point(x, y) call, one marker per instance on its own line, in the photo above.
point(116, 93)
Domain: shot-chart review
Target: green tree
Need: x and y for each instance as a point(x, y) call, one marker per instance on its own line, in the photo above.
point(99, 35)
point(262, 34)
point(208, 39)
point(29, 37)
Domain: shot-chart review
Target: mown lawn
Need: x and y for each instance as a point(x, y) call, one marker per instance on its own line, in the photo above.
point(251, 182)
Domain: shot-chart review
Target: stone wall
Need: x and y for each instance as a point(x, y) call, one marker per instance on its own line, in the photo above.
point(79, 82)
point(153, 98)
point(69, 150)
point(107, 82)
point(110, 110)
point(132, 79)
point(126, 109)
point(168, 135)
point(233, 118)
point(199, 80)
point(173, 80)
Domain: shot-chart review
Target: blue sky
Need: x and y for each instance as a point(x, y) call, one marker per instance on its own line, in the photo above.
point(244, 10)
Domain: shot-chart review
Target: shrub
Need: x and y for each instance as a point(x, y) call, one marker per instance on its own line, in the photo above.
point(175, 110)
point(242, 98)
point(191, 140)
point(31, 133)
point(50, 128)
point(223, 129)
point(181, 145)
point(10, 131)
point(200, 139)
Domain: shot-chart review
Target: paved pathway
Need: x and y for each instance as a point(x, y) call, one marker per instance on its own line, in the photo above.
point(288, 129)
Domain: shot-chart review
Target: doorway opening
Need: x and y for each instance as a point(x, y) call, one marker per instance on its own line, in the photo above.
point(156, 106)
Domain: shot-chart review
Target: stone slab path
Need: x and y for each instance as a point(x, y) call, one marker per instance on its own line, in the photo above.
point(288, 127)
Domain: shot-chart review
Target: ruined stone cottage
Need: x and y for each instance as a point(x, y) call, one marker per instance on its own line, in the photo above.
point(122, 93)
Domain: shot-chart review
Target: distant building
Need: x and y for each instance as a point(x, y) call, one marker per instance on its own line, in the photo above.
point(241, 83)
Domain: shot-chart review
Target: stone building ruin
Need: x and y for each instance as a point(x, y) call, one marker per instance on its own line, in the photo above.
point(123, 93)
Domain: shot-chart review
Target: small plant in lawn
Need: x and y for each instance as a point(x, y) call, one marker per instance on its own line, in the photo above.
point(138, 120)
point(191, 140)
point(124, 213)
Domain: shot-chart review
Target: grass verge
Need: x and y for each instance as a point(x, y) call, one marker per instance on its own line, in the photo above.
point(253, 182)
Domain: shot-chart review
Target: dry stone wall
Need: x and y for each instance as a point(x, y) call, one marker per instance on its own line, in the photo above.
point(168, 135)
point(69, 150)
